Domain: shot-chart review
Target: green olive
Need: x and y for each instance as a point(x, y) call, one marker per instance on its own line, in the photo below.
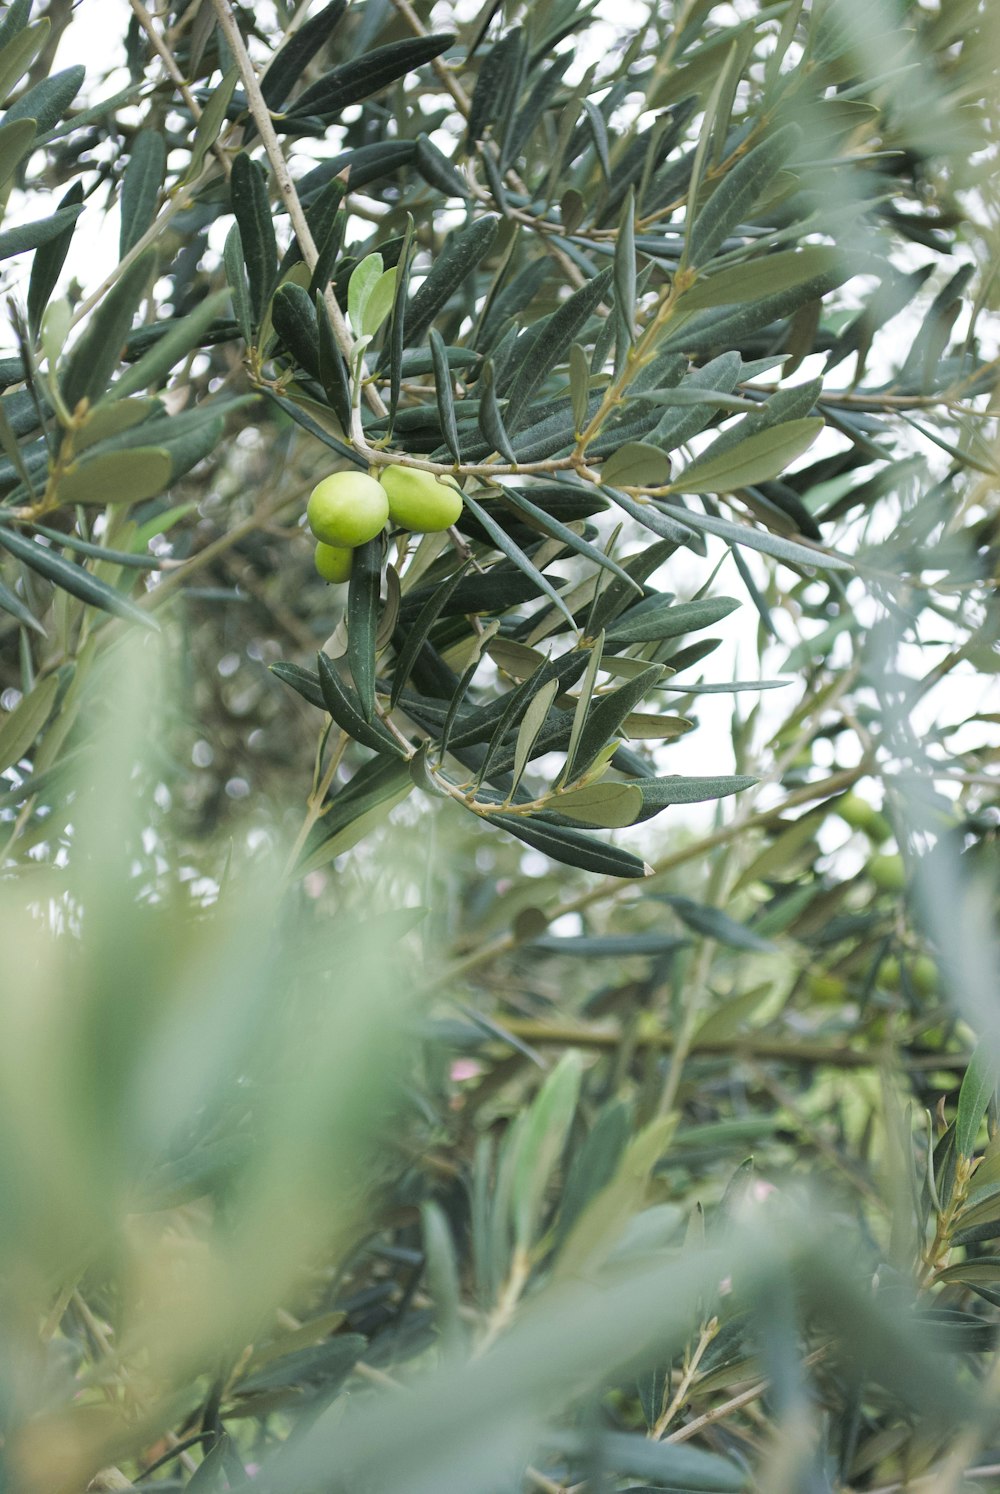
point(860, 815)
point(826, 987)
point(334, 562)
point(888, 873)
point(347, 509)
point(421, 501)
point(925, 975)
point(890, 973)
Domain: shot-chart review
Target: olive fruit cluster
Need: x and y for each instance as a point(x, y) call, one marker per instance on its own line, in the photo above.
point(348, 509)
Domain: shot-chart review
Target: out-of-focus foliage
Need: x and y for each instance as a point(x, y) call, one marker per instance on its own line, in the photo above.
point(465, 1127)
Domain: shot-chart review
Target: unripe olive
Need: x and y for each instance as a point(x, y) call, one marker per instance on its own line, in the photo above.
point(925, 975)
point(888, 873)
point(347, 509)
point(890, 973)
point(334, 562)
point(860, 815)
point(826, 987)
point(421, 501)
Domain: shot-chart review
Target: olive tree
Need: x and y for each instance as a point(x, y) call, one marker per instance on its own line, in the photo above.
point(410, 415)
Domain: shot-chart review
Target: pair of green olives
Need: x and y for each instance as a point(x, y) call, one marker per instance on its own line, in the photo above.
point(347, 509)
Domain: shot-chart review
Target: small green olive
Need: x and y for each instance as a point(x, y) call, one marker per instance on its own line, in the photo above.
point(825, 987)
point(860, 815)
point(334, 562)
point(421, 501)
point(347, 509)
point(890, 974)
point(888, 873)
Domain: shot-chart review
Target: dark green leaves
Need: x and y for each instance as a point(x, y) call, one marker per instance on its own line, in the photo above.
point(48, 101)
point(572, 847)
point(43, 231)
point(739, 189)
point(298, 52)
point(141, 185)
point(978, 1088)
point(547, 350)
point(604, 718)
point(72, 578)
point(754, 460)
point(659, 619)
point(97, 353)
point(347, 710)
point(658, 793)
point(252, 210)
point(362, 621)
point(364, 76)
point(461, 254)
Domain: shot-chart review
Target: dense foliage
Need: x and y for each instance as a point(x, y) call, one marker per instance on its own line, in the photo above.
point(409, 1079)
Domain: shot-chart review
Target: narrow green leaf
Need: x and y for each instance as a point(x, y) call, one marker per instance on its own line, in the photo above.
point(572, 847)
point(346, 709)
point(715, 924)
point(141, 183)
point(109, 420)
point(583, 706)
point(625, 264)
point(607, 715)
point(48, 101)
point(659, 619)
point(295, 56)
point(397, 331)
point(491, 94)
point(19, 53)
point(490, 420)
point(213, 117)
point(362, 620)
point(359, 289)
point(15, 143)
point(765, 276)
point(609, 806)
point(757, 459)
point(351, 82)
point(46, 267)
point(25, 721)
point(302, 681)
point(380, 302)
point(732, 200)
point(232, 259)
point(97, 353)
point(540, 1145)
point(550, 525)
point(436, 169)
point(116, 477)
point(579, 385)
point(168, 350)
point(599, 135)
point(42, 231)
point(754, 539)
point(252, 210)
point(978, 1088)
point(637, 465)
point(513, 552)
point(531, 724)
point(444, 394)
point(332, 367)
point(460, 256)
point(561, 330)
point(73, 578)
point(294, 319)
point(658, 793)
point(418, 630)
